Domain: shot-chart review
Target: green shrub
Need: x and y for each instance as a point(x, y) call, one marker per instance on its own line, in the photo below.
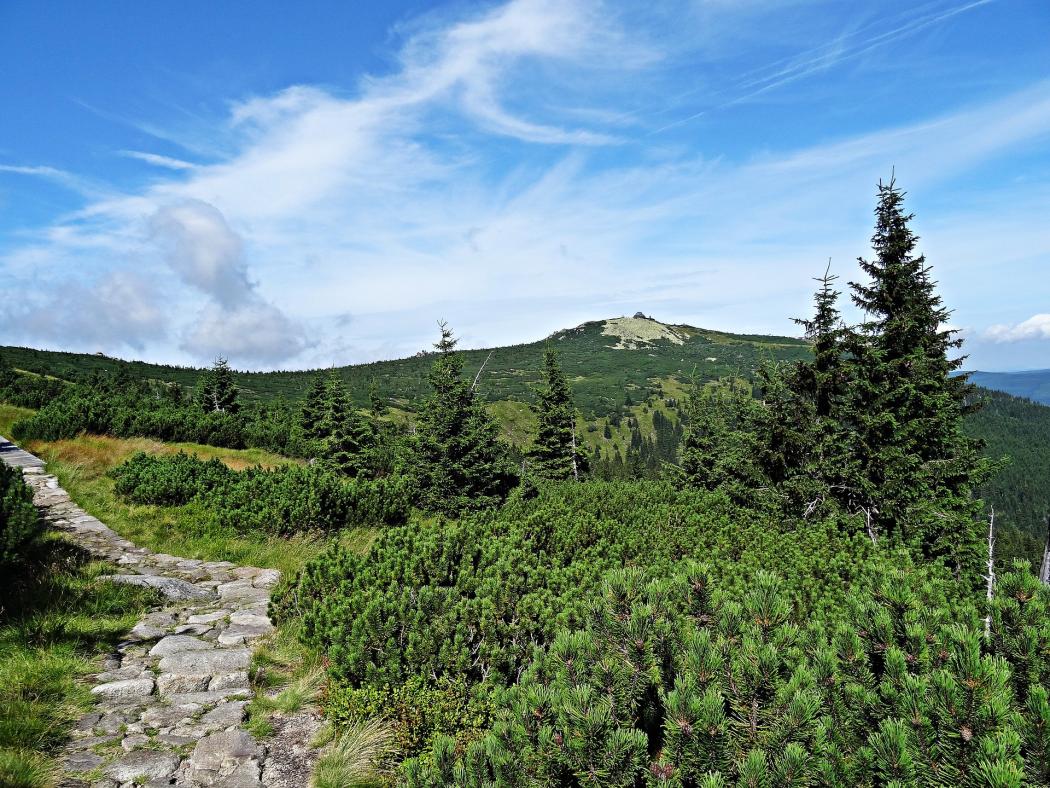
point(676, 683)
point(417, 711)
point(471, 599)
point(20, 524)
point(169, 481)
point(281, 500)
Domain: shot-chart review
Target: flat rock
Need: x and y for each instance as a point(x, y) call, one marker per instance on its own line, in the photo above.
point(226, 758)
point(226, 714)
point(208, 698)
point(236, 680)
point(128, 689)
point(215, 661)
point(208, 618)
point(140, 764)
point(174, 683)
point(175, 644)
point(82, 762)
point(171, 587)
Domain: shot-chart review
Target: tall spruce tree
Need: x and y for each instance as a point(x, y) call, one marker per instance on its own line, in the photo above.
point(216, 391)
point(460, 462)
point(916, 473)
point(346, 437)
point(312, 409)
point(556, 454)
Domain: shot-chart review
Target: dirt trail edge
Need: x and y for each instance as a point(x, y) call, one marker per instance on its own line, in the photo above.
point(170, 701)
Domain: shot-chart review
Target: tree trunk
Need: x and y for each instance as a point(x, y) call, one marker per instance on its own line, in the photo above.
point(991, 575)
point(1044, 569)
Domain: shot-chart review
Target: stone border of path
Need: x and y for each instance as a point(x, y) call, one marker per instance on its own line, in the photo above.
point(170, 701)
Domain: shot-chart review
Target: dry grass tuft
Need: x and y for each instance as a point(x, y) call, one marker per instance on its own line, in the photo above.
point(353, 759)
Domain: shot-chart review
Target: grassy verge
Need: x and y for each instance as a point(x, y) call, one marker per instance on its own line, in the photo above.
point(52, 627)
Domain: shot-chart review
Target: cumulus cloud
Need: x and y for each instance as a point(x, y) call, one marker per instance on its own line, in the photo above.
point(237, 322)
point(121, 309)
point(255, 332)
point(1035, 327)
point(203, 251)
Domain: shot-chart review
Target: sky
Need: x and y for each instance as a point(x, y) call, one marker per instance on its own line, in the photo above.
point(302, 185)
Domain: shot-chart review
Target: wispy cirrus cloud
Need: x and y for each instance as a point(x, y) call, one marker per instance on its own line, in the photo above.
point(167, 162)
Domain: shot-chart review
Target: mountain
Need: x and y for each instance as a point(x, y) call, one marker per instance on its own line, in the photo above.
point(1033, 384)
point(606, 360)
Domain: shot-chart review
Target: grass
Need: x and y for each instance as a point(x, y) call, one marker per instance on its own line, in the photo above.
point(352, 760)
point(286, 676)
point(52, 627)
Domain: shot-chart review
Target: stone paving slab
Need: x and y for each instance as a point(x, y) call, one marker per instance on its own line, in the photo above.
point(169, 703)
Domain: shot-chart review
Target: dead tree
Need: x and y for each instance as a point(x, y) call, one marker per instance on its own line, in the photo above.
point(991, 574)
point(1044, 568)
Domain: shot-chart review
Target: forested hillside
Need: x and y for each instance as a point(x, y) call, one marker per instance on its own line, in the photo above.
point(599, 365)
point(629, 384)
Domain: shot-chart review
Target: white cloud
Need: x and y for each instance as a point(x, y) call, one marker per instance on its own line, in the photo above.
point(208, 255)
point(253, 333)
point(203, 251)
point(120, 309)
point(166, 162)
point(1035, 327)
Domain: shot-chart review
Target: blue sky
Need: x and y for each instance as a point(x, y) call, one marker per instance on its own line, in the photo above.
point(317, 183)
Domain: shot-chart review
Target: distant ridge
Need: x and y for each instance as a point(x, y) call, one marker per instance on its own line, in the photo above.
point(1032, 384)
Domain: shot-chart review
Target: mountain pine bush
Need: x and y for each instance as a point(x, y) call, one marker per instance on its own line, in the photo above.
point(469, 601)
point(282, 500)
point(673, 682)
point(20, 524)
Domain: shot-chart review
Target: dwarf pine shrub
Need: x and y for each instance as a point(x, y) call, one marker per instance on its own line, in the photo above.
point(281, 500)
point(20, 524)
point(673, 682)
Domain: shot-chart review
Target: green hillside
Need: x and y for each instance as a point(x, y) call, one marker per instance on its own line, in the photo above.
point(599, 366)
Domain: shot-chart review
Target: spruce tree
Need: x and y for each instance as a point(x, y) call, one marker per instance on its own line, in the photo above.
point(916, 473)
point(460, 462)
point(343, 437)
point(721, 442)
point(313, 406)
point(556, 454)
point(822, 378)
point(216, 391)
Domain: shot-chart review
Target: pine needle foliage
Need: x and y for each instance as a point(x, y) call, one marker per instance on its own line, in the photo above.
point(216, 390)
point(555, 453)
point(673, 682)
point(460, 462)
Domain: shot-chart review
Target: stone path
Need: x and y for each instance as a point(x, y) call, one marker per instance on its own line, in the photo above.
point(171, 699)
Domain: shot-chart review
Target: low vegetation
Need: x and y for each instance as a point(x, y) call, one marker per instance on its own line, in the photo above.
point(57, 614)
